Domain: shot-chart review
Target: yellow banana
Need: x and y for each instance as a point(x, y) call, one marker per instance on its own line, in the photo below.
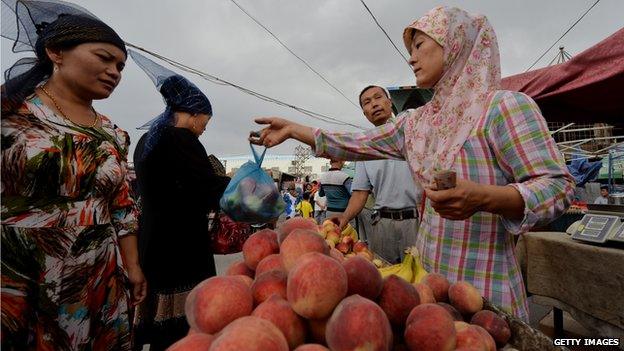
point(419, 270)
point(406, 272)
point(387, 271)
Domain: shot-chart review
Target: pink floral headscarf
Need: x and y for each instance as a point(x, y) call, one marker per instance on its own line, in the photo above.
point(436, 132)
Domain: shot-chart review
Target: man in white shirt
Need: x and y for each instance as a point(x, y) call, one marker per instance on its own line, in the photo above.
point(395, 216)
point(320, 207)
point(603, 199)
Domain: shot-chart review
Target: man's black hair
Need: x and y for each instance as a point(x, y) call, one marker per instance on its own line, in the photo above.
point(306, 196)
point(370, 87)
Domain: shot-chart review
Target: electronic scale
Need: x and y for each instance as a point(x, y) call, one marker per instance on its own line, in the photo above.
point(601, 223)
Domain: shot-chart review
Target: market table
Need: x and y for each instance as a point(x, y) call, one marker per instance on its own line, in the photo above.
point(583, 279)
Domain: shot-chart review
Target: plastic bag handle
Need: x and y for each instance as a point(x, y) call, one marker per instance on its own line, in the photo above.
point(257, 158)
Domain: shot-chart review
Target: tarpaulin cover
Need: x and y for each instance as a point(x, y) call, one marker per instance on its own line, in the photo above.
point(587, 88)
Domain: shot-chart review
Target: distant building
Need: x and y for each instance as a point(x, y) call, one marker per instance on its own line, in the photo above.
point(282, 163)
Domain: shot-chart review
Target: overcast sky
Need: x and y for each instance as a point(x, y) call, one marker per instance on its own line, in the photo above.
point(337, 37)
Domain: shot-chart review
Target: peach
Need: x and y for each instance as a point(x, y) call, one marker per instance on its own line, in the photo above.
point(397, 298)
point(193, 331)
point(429, 327)
point(284, 229)
point(245, 279)
point(258, 246)
point(425, 293)
point(358, 324)
point(251, 334)
point(299, 243)
point(217, 301)
point(334, 253)
point(316, 330)
point(469, 337)
point(359, 246)
point(363, 277)
point(270, 263)
point(193, 342)
point(452, 311)
point(367, 254)
point(312, 347)
point(465, 297)
point(438, 284)
point(495, 326)
point(343, 247)
point(333, 237)
point(267, 284)
point(278, 311)
point(316, 285)
point(487, 338)
point(239, 268)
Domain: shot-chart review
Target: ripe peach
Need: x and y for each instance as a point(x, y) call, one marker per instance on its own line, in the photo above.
point(239, 268)
point(278, 311)
point(358, 324)
point(359, 246)
point(267, 284)
point(452, 311)
point(288, 226)
point(343, 247)
point(250, 334)
point(469, 337)
point(193, 342)
point(465, 297)
point(397, 298)
point(363, 277)
point(334, 253)
point(316, 285)
point(216, 302)
point(258, 246)
point(487, 338)
point(245, 279)
point(425, 293)
point(298, 243)
point(429, 327)
point(438, 284)
point(312, 347)
point(495, 325)
point(269, 263)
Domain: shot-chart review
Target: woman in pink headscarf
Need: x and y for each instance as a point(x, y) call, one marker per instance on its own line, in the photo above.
point(510, 174)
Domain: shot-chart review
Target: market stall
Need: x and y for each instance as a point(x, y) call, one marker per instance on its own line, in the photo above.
point(585, 88)
point(583, 279)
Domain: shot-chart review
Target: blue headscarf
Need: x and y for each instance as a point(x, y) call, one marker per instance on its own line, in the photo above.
point(180, 96)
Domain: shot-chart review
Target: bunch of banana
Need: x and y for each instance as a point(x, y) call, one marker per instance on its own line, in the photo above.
point(411, 269)
point(418, 269)
point(403, 270)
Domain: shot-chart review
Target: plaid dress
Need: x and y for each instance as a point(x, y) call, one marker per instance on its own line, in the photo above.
point(510, 145)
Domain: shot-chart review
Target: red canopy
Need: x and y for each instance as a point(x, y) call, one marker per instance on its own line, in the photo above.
point(587, 88)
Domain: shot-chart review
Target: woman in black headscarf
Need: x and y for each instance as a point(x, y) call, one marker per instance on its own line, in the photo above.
point(69, 247)
point(178, 186)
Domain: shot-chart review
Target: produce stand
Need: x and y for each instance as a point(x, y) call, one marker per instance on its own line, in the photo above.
point(583, 279)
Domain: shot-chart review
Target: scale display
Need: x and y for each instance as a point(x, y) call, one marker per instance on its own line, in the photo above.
point(619, 234)
point(596, 228)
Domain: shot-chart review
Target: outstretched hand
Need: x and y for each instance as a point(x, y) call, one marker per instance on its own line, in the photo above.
point(277, 131)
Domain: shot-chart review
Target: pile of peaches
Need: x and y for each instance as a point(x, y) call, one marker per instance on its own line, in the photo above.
point(290, 293)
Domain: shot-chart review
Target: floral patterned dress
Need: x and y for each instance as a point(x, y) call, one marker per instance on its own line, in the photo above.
point(65, 204)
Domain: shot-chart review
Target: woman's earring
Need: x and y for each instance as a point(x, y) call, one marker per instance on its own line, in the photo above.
point(55, 69)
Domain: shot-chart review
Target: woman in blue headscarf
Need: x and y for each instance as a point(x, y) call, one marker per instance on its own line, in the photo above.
point(178, 187)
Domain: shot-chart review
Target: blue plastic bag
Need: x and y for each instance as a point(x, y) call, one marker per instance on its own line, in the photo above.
point(251, 196)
